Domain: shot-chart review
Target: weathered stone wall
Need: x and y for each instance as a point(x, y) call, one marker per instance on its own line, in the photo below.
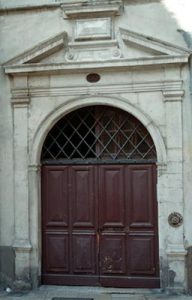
point(52, 94)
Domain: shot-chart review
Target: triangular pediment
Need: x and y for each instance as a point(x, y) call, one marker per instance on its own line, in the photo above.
point(128, 48)
point(40, 51)
point(150, 44)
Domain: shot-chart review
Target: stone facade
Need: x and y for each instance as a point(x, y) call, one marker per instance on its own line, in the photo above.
point(49, 47)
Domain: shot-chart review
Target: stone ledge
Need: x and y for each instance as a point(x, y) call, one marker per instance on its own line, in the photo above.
point(102, 65)
point(154, 86)
point(84, 9)
point(176, 252)
point(173, 96)
point(22, 246)
point(22, 101)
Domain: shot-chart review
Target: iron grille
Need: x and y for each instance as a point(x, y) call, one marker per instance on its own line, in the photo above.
point(98, 133)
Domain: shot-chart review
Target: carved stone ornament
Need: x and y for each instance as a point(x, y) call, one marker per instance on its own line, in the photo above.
point(175, 219)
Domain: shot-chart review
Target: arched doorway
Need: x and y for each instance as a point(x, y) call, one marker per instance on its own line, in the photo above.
point(99, 207)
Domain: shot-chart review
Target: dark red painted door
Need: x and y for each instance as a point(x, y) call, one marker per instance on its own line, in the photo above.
point(100, 225)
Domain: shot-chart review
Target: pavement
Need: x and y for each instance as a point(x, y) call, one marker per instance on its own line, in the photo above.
point(89, 293)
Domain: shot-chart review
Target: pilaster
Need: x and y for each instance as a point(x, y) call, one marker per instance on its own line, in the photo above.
point(173, 200)
point(22, 246)
point(35, 222)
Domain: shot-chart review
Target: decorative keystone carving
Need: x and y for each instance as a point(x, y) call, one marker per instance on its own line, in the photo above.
point(175, 219)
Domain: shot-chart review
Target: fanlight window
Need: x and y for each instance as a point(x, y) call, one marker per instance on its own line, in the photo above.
point(98, 133)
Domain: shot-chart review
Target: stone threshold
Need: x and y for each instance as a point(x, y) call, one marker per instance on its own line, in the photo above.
point(98, 290)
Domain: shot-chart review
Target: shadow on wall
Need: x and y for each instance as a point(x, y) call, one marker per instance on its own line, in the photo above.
point(7, 258)
point(189, 269)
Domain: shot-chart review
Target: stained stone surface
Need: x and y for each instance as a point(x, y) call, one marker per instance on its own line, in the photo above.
point(153, 93)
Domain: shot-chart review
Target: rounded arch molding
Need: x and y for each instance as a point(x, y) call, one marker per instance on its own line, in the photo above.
point(48, 122)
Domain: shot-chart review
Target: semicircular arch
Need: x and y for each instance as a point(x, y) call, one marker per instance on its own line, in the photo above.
point(51, 119)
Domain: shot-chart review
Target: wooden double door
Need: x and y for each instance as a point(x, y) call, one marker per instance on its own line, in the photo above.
point(99, 225)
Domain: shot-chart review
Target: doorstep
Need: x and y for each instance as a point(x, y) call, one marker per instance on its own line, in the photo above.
point(91, 293)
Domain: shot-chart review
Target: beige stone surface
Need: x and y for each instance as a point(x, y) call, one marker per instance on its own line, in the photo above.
point(143, 63)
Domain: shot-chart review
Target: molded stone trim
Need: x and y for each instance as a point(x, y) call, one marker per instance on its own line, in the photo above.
point(20, 102)
point(22, 246)
point(176, 252)
point(154, 86)
point(54, 116)
point(152, 43)
point(84, 9)
point(114, 64)
point(20, 97)
point(27, 61)
point(173, 96)
point(42, 50)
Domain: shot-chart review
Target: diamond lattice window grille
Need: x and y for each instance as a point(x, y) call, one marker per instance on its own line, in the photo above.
point(98, 133)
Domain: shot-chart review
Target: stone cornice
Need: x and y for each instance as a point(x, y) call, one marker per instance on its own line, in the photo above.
point(97, 65)
point(154, 86)
point(80, 9)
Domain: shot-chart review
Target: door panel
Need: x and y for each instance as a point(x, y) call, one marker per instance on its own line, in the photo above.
point(82, 196)
point(141, 195)
point(111, 196)
point(56, 206)
point(99, 225)
point(57, 252)
point(66, 258)
point(84, 253)
point(112, 253)
point(142, 255)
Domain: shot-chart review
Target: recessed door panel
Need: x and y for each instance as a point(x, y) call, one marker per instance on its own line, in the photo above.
point(100, 225)
point(111, 196)
point(112, 253)
point(82, 196)
point(84, 253)
point(142, 259)
point(57, 252)
point(141, 195)
point(56, 207)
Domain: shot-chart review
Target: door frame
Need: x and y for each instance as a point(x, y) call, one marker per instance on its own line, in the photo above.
point(34, 168)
